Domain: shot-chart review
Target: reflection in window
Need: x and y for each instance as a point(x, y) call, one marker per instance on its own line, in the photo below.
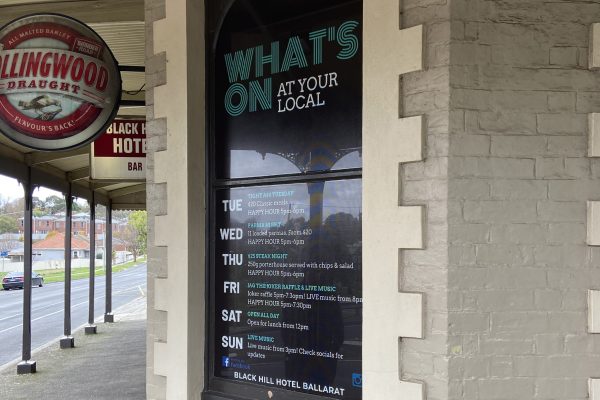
point(350, 160)
point(251, 163)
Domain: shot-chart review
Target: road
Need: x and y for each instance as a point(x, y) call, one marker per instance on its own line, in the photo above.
point(48, 305)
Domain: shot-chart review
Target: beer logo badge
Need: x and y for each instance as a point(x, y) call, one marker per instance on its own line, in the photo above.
point(60, 84)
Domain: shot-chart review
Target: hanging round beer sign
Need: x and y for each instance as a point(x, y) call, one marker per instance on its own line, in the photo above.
point(60, 85)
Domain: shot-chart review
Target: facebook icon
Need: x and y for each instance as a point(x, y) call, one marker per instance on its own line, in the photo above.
point(357, 380)
point(225, 361)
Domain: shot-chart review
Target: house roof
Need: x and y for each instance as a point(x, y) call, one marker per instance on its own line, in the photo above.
point(41, 218)
point(56, 241)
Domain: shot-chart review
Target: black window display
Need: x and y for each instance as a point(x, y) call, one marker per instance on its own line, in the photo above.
point(288, 294)
point(285, 226)
point(288, 79)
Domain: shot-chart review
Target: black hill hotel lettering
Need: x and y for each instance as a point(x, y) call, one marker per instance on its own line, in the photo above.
point(128, 137)
point(123, 138)
point(286, 270)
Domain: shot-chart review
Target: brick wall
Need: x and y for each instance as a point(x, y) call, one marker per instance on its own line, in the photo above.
point(519, 179)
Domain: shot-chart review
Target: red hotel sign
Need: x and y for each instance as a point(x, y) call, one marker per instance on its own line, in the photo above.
point(60, 84)
point(120, 153)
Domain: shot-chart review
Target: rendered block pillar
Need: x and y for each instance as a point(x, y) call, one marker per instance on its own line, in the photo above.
point(179, 102)
point(388, 141)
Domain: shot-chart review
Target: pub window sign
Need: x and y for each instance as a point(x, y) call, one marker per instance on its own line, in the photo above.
point(285, 237)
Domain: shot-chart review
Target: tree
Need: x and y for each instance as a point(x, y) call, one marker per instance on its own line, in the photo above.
point(8, 244)
point(81, 206)
point(51, 234)
point(55, 204)
point(135, 233)
point(8, 224)
point(13, 207)
point(129, 238)
point(39, 206)
point(138, 221)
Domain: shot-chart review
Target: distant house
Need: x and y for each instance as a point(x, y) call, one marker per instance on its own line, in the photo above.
point(53, 248)
point(40, 225)
point(80, 225)
point(119, 245)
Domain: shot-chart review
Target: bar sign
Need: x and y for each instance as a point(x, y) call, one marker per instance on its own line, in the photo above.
point(120, 153)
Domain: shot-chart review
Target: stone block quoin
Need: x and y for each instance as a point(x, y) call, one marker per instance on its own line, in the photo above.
point(388, 226)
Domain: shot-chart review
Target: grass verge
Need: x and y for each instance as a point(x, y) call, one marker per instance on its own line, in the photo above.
point(58, 275)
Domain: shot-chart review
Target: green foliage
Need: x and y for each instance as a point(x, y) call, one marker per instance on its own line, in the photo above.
point(55, 204)
point(10, 212)
point(8, 224)
point(135, 233)
point(138, 221)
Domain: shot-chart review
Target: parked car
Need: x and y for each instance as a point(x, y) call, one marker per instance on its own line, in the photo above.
point(14, 280)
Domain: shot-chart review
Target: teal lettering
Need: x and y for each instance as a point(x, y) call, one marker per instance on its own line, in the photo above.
point(260, 95)
point(236, 109)
point(294, 55)
point(239, 64)
point(347, 39)
point(316, 38)
point(272, 59)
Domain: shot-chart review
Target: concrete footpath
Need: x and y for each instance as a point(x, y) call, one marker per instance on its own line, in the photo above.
point(108, 365)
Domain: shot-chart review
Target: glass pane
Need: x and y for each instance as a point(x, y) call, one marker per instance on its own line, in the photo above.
point(288, 291)
point(288, 88)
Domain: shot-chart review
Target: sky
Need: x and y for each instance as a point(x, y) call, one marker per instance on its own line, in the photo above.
point(10, 189)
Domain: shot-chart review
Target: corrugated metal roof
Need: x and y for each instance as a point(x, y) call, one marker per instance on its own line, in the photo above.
point(126, 40)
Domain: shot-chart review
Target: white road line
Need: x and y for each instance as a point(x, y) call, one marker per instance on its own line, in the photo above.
point(35, 308)
point(84, 285)
point(42, 317)
point(39, 308)
point(60, 311)
point(12, 316)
